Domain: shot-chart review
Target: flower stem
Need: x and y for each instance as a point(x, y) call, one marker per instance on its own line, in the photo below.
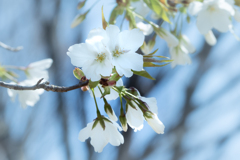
point(98, 112)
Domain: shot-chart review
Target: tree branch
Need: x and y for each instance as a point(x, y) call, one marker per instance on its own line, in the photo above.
point(44, 86)
point(10, 48)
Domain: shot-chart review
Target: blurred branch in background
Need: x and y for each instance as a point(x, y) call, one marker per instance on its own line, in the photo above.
point(10, 48)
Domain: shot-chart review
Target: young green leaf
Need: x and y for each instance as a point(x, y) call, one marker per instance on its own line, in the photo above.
point(143, 73)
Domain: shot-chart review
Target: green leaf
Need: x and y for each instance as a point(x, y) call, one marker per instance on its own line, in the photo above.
point(131, 18)
point(155, 60)
point(104, 22)
point(78, 73)
point(143, 73)
point(159, 8)
point(153, 52)
point(78, 19)
point(118, 10)
point(92, 84)
point(150, 64)
point(81, 4)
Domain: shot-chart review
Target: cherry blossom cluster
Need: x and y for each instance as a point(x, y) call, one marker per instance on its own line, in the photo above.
point(34, 71)
point(104, 58)
point(109, 53)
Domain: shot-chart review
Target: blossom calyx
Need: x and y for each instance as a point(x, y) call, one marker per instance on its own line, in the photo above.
point(100, 119)
point(123, 121)
point(110, 112)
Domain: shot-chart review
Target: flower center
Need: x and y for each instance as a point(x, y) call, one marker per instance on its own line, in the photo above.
point(100, 57)
point(211, 8)
point(118, 52)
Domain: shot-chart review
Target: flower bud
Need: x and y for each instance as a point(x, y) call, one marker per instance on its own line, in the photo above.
point(81, 4)
point(133, 91)
point(147, 114)
point(78, 73)
point(84, 88)
point(155, 123)
point(108, 109)
point(123, 121)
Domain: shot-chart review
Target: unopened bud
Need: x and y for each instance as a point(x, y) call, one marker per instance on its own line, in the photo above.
point(78, 73)
point(81, 4)
point(133, 91)
point(148, 114)
point(84, 88)
point(110, 112)
point(123, 121)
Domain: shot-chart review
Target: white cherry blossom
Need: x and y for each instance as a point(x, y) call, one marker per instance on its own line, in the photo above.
point(112, 115)
point(212, 14)
point(147, 29)
point(156, 124)
point(122, 46)
point(92, 56)
point(210, 38)
point(171, 40)
point(28, 97)
point(99, 137)
point(140, 8)
point(152, 104)
point(135, 117)
point(37, 70)
point(180, 53)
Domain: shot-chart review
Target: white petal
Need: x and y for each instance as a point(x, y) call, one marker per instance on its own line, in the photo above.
point(180, 56)
point(132, 61)
point(115, 137)
point(85, 133)
point(152, 104)
point(228, 8)
point(210, 38)
point(96, 35)
point(171, 40)
point(99, 138)
point(131, 39)
point(204, 22)
point(141, 8)
point(194, 8)
point(221, 21)
point(135, 118)
point(187, 44)
point(237, 15)
point(41, 65)
point(147, 29)
point(12, 94)
point(112, 33)
point(112, 116)
point(119, 82)
point(81, 54)
point(156, 124)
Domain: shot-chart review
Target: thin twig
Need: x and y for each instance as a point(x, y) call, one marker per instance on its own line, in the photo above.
point(44, 85)
point(10, 48)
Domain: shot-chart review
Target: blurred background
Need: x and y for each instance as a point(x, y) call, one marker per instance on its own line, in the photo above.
point(199, 104)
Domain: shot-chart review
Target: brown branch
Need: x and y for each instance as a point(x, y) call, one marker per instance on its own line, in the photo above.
point(44, 86)
point(10, 48)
